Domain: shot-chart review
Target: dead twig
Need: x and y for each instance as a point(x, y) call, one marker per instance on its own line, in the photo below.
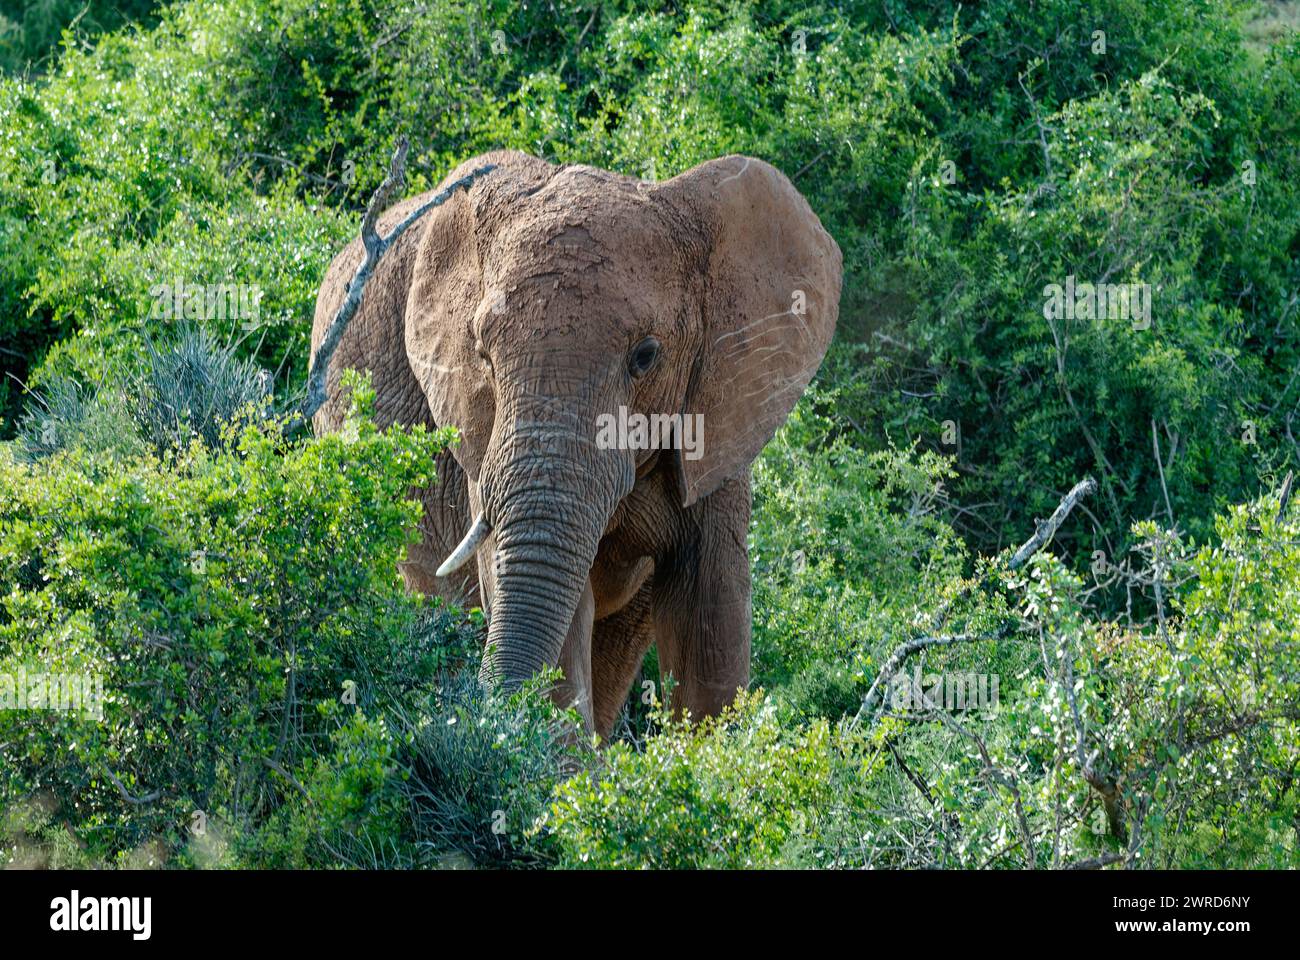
point(126, 794)
point(375, 246)
point(1155, 449)
point(1047, 529)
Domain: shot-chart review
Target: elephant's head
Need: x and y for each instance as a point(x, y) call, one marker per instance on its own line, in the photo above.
point(546, 297)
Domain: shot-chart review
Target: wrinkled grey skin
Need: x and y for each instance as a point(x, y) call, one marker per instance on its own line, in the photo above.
point(519, 312)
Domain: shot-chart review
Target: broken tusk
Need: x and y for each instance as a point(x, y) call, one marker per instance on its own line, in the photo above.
point(468, 547)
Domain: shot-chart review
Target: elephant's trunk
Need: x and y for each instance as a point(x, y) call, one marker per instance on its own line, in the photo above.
point(548, 504)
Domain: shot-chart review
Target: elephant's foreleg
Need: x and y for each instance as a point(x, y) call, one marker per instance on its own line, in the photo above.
point(618, 646)
point(702, 604)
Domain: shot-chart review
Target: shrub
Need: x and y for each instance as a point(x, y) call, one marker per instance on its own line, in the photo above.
point(68, 415)
point(193, 387)
point(29, 31)
point(725, 792)
point(190, 388)
point(347, 810)
point(481, 766)
point(1110, 736)
point(217, 601)
point(448, 776)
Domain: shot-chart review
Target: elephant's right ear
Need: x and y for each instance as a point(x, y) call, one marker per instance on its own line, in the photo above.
point(448, 292)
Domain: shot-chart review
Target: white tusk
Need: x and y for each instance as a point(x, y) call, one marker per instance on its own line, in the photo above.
point(468, 547)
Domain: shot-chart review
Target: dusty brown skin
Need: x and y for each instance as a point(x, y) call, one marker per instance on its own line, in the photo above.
point(526, 307)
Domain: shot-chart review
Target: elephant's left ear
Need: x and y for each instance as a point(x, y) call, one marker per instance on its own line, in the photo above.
point(771, 297)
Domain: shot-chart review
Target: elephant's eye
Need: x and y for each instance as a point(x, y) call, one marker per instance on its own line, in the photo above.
point(643, 357)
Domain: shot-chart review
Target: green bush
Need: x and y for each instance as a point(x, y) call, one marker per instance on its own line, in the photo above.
point(346, 811)
point(1107, 734)
point(448, 776)
point(67, 415)
point(193, 387)
point(725, 792)
point(851, 554)
point(964, 156)
point(217, 602)
point(190, 387)
point(481, 766)
point(30, 29)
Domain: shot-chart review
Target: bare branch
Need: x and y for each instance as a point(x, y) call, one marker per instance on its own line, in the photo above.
point(279, 768)
point(1155, 449)
point(1047, 529)
point(1284, 497)
point(379, 200)
point(375, 246)
point(126, 794)
point(1042, 129)
point(1041, 538)
point(905, 650)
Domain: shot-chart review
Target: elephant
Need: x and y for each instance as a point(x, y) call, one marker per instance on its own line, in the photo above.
point(536, 309)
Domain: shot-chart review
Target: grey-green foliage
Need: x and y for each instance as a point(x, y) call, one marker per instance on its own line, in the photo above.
point(481, 766)
point(191, 387)
point(69, 414)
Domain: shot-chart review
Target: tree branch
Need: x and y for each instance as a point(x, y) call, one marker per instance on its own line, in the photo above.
point(1047, 529)
point(1042, 536)
point(126, 794)
point(375, 246)
point(905, 650)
